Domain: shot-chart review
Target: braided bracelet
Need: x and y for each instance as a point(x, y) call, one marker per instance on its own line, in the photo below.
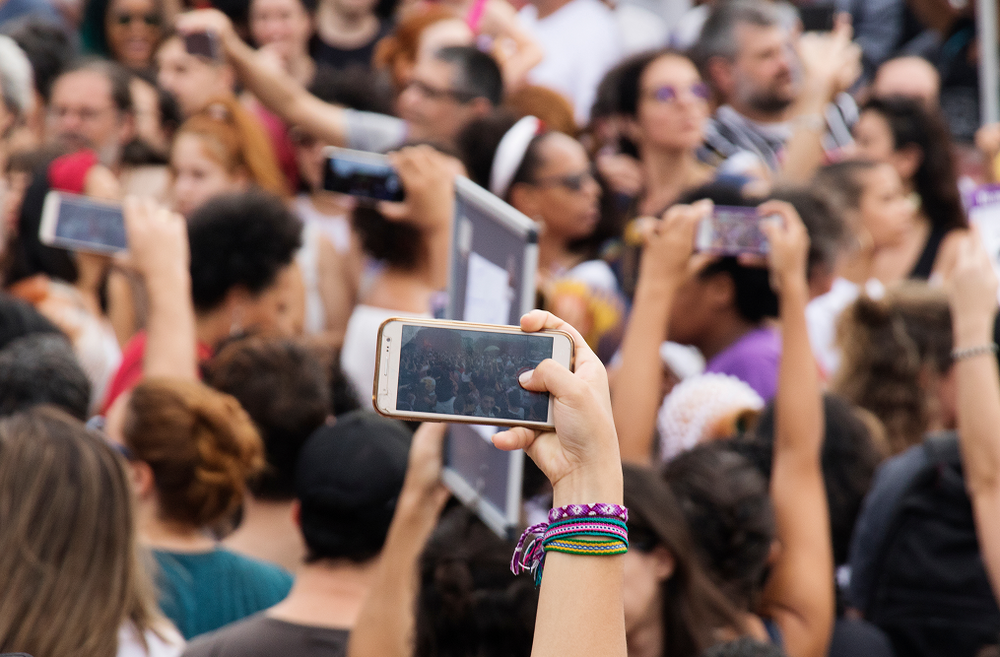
point(583, 529)
point(972, 352)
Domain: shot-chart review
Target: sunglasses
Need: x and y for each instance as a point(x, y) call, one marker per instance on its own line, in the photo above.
point(150, 20)
point(573, 182)
point(669, 93)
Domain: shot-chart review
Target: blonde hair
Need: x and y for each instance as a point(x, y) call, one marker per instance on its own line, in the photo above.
point(200, 444)
point(235, 139)
point(890, 346)
point(70, 569)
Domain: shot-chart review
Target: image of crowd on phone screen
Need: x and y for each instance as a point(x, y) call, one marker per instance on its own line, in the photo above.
point(470, 373)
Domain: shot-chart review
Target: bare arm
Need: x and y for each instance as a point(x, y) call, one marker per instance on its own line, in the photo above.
point(158, 250)
point(972, 287)
point(514, 48)
point(385, 627)
point(278, 92)
point(799, 594)
point(831, 64)
point(580, 607)
point(636, 389)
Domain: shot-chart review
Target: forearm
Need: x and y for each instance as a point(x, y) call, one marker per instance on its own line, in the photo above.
point(636, 390)
point(171, 340)
point(580, 606)
point(978, 394)
point(804, 152)
point(385, 627)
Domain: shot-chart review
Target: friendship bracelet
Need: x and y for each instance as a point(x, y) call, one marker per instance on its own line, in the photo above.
point(972, 352)
point(582, 529)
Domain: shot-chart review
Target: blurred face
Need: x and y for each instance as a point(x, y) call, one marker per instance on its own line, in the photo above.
point(910, 77)
point(564, 194)
point(282, 24)
point(310, 159)
point(885, 211)
point(193, 81)
point(133, 28)
point(644, 576)
point(762, 70)
point(197, 175)
point(146, 104)
point(82, 114)
point(434, 108)
point(351, 8)
point(873, 138)
point(673, 104)
point(277, 310)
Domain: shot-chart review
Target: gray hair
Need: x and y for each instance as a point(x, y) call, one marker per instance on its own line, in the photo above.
point(17, 88)
point(718, 35)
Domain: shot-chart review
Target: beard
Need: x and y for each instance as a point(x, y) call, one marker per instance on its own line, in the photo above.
point(773, 99)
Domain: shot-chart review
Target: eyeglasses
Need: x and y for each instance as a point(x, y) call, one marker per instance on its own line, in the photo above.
point(670, 94)
point(86, 114)
point(573, 182)
point(433, 93)
point(149, 20)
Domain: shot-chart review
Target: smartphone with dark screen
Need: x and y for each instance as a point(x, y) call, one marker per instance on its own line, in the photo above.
point(818, 17)
point(361, 174)
point(203, 44)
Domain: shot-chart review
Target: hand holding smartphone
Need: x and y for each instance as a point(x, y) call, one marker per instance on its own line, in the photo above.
point(367, 176)
point(447, 371)
point(81, 223)
point(203, 44)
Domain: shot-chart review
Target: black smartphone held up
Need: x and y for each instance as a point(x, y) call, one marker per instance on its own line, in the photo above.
point(361, 174)
point(80, 223)
point(732, 230)
point(817, 17)
point(202, 44)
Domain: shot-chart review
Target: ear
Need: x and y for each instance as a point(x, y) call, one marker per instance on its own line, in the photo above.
point(297, 513)
point(719, 72)
point(525, 198)
point(143, 481)
point(907, 160)
point(665, 563)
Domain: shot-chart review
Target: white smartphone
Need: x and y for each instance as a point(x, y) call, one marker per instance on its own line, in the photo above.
point(81, 223)
point(449, 371)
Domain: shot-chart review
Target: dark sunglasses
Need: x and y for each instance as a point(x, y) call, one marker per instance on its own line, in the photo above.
point(150, 20)
point(573, 183)
point(669, 93)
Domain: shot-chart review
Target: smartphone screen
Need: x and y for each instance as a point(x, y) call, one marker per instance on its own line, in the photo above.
point(473, 373)
point(817, 17)
point(732, 231)
point(202, 44)
point(83, 224)
point(366, 176)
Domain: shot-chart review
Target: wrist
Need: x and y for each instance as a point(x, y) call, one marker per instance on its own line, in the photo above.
point(972, 331)
point(589, 485)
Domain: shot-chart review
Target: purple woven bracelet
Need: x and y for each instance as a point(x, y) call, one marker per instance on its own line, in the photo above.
point(599, 510)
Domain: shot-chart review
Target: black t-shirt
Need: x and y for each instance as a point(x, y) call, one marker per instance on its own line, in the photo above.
point(261, 636)
point(340, 58)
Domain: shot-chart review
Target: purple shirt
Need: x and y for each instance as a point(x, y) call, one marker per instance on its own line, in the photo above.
point(753, 359)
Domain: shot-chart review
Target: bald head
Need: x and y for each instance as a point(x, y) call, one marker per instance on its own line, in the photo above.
point(910, 77)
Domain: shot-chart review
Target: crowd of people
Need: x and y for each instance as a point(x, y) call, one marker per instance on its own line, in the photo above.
point(791, 453)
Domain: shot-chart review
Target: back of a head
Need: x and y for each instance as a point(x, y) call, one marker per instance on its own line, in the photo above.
point(694, 609)
point(826, 228)
point(850, 457)
point(284, 388)
point(347, 480)
point(42, 369)
point(68, 561)
point(200, 444)
point(841, 184)
point(470, 603)
point(551, 107)
point(718, 34)
point(235, 139)
point(891, 347)
point(239, 240)
point(726, 502)
point(395, 243)
point(48, 47)
point(476, 73)
point(478, 142)
point(19, 318)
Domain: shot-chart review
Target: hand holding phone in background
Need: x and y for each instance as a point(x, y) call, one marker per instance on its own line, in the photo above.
point(367, 176)
point(733, 231)
point(203, 44)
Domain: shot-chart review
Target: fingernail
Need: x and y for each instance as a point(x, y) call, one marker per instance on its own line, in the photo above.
point(524, 377)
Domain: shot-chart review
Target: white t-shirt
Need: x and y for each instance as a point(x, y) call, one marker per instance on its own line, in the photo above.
point(357, 356)
point(581, 42)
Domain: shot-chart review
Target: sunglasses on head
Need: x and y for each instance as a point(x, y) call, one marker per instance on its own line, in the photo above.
point(150, 20)
point(669, 93)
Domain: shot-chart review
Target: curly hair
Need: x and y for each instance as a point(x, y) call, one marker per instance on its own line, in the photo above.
point(200, 444)
point(889, 345)
point(243, 239)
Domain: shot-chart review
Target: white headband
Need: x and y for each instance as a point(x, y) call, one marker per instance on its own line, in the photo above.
point(510, 153)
